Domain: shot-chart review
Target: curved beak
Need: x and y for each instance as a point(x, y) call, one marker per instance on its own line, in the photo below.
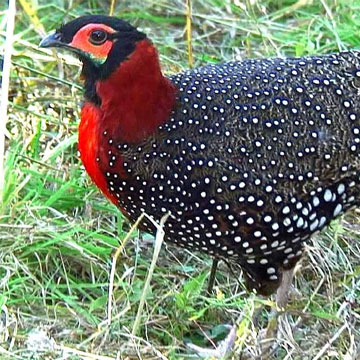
point(52, 40)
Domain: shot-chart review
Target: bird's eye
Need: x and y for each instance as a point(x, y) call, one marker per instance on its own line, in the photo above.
point(98, 37)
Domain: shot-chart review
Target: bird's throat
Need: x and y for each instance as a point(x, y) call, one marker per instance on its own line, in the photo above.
point(136, 98)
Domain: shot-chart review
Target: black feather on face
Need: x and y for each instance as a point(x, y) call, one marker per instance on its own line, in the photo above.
point(71, 28)
point(124, 37)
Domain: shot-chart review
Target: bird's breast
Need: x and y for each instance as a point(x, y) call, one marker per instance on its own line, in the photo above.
point(92, 147)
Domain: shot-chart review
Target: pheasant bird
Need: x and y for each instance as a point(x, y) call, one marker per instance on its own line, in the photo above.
point(250, 157)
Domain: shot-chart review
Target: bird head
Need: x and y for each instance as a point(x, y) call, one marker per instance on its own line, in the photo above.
point(101, 42)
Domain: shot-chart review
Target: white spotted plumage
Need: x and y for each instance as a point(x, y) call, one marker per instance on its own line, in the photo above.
point(256, 156)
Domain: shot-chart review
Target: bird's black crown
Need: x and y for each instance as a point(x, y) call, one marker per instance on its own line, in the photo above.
point(71, 28)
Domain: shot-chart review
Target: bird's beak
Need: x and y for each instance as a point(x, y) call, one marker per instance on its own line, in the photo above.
point(52, 40)
point(57, 40)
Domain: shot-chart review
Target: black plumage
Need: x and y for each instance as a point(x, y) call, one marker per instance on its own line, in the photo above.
point(257, 156)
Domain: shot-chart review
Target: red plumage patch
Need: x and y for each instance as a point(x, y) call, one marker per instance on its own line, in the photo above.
point(89, 147)
point(135, 99)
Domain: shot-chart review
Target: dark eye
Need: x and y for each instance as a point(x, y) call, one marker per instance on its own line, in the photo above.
point(98, 37)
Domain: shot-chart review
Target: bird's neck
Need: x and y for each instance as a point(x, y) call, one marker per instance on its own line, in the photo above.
point(136, 98)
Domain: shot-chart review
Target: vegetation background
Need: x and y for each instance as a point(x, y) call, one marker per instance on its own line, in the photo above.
point(58, 233)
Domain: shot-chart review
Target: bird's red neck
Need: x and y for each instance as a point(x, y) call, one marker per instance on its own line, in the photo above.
point(136, 97)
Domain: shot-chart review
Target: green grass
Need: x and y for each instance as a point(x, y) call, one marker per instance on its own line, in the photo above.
point(58, 233)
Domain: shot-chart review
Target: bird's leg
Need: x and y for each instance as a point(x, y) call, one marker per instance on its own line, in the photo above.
point(282, 293)
point(212, 275)
point(281, 298)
